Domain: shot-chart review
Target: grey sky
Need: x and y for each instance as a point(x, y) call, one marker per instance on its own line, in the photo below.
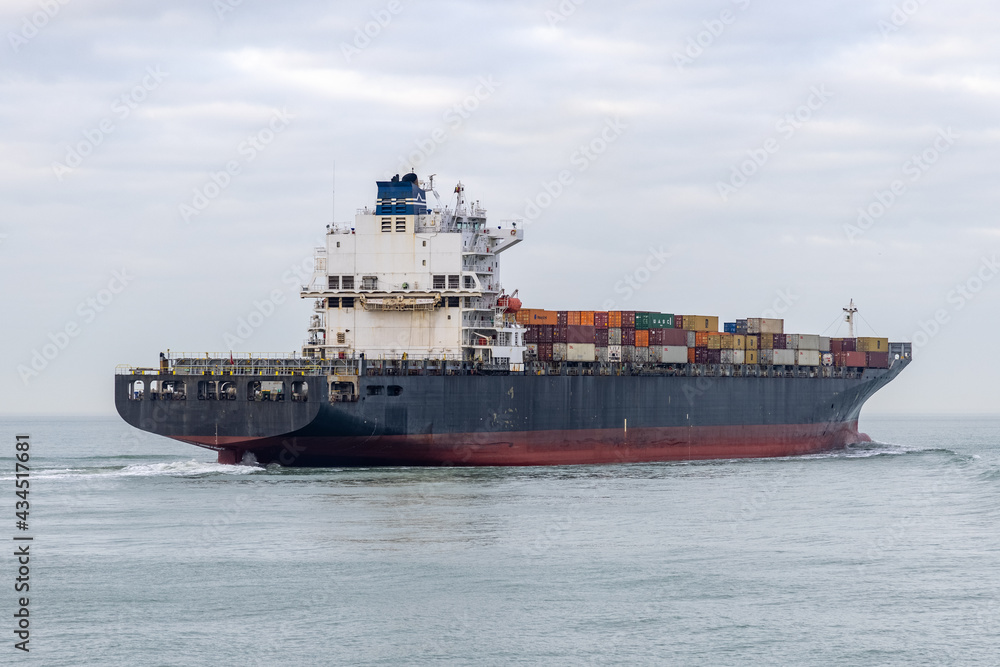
point(162, 96)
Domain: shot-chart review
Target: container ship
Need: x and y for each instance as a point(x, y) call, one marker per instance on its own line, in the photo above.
point(416, 356)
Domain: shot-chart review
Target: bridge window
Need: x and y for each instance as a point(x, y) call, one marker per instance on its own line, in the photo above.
point(453, 282)
point(439, 282)
point(469, 282)
point(333, 282)
point(347, 302)
point(369, 282)
point(453, 301)
point(333, 302)
point(347, 282)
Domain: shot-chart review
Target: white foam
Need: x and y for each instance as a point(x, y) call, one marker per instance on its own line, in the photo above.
point(169, 469)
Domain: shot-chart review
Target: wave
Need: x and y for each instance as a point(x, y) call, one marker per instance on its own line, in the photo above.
point(189, 468)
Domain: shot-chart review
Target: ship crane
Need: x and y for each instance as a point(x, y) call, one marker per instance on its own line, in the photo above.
point(849, 318)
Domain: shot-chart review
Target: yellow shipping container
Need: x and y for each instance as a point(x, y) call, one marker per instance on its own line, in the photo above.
point(701, 323)
point(767, 341)
point(751, 357)
point(739, 342)
point(752, 342)
point(873, 344)
point(726, 341)
point(714, 341)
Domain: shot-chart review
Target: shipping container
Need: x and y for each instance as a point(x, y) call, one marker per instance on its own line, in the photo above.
point(701, 355)
point(726, 341)
point(741, 327)
point(678, 321)
point(560, 333)
point(559, 351)
point(714, 341)
point(701, 323)
point(767, 341)
point(628, 354)
point(562, 318)
point(784, 357)
point(522, 316)
point(729, 327)
point(545, 351)
point(677, 337)
point(614, 353)
point(580, 352)
point(791, 341)
point(692, 338)
point(601, 337)
point(669, 354)
point(628, 337)
point(539, 316)
point(873, 345)
point(726, 356)
point(628, 319)
point(641, 338)
point(876, 359)
point(587, 318)
point(532, 349)
point(701, 339)
point(824, 344)
point(545, 333)
point(807, 357)
point(580, 334)
point(573, 318)
point(752, 357)
point(531, 334)
point(850, 359)
point(843, 344)
point(739, 356)
point(614, 336)
point(656, 336)
point(642, 320)
point(739, 342)
point(827, 359)
point(601, 319)
point(752, 342)
point(661, 321)
point(692, 354)
point(641, 355)
point(762, 325)
point(714, 356)
point(615, 319)
point(808, 342)
point(601, 352)
point(766, 357)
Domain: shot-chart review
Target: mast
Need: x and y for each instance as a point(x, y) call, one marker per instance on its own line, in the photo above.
point(849, 318)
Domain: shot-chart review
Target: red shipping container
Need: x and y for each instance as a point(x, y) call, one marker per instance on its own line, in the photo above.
point(656, 336)
point(701, 355)
point(545, 333)
point(628, 319)
point(545, 351)
point(628, 336)
point(531, 334)
point(714, 356)
point(850, 344)
point(836, 345)
point(876, 359)
point(559, 333)
point(679, 322)
point(601, 319)
point(579, 334)
point(677, 337)
point(562, 318)
point(854, 359)
point(601, 337)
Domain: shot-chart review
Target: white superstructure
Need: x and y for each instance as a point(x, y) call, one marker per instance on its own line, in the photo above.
point(409, 280)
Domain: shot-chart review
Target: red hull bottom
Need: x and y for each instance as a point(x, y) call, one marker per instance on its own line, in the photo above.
point(545, 447)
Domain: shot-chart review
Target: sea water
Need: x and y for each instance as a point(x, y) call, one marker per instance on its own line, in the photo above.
point(147, 552)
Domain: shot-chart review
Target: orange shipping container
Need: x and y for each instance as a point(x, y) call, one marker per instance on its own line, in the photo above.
point(543, 317)
point(573, 318)
point(701, 339)
point(587, 318)
point(614, 319)
point(641, 338)
point(690, 355)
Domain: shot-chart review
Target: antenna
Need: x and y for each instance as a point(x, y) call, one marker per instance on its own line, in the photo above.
point(849, 317)
point(333, 203)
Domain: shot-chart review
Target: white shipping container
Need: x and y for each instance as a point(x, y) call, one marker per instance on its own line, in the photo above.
point(614, 352)
point(792, 342)
point(641, 355)
point(558, 351)
point(602, 354)
point(691, 339)
point(614, 336)
point(808, 342)
point(739, 356)
point(671, 354)
point(628, 353)
point(765, 357)
point(579, 351)
point(824, 343)
point(784, 357)
point(726, 357)
point(533, 348)
point(808, 357)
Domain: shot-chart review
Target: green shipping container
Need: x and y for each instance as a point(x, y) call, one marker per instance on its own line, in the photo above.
point(642, 320)
point(661, 321)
